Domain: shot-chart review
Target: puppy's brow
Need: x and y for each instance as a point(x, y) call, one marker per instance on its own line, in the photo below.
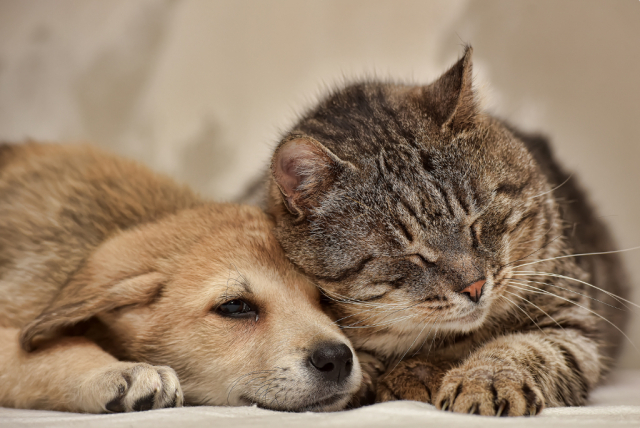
point(239, 282)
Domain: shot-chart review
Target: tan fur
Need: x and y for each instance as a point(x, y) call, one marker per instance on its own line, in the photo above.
point(110, 277)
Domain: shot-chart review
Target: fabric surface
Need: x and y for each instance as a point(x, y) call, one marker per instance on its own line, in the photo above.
point(616, 404)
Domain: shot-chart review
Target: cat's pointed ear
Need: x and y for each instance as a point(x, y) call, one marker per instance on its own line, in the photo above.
point(303, 169)
point(450, 100)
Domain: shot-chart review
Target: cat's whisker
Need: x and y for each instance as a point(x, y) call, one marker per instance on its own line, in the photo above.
point(555, 188)
point(541, 291)
point(579, 255)
point(337, 322)
point(391, 313)
point(355, 323)
point(365, 304)
point(338, 298)
point(426, 337)
point(524, 312)
point(530, 254)
point(412, 343)
point(537, 237)
point(536, 306)
point(573, 291)
point(620, 300)
point(379, 324)
point(356, 314)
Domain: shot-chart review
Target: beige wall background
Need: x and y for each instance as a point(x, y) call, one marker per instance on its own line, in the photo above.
point(201, 89)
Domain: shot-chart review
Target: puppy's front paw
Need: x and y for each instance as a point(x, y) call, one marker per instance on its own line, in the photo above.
point(131, 387)
point(490, 390)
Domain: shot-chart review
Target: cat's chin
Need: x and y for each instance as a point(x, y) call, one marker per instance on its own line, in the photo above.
point(466, 323)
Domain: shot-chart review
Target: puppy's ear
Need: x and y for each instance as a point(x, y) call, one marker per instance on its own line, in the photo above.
point(303, 169)
point(113, 277)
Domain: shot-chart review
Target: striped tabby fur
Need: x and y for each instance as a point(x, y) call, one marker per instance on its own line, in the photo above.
point(395, 198)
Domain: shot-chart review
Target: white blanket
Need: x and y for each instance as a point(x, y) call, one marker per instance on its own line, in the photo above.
point(616, 404)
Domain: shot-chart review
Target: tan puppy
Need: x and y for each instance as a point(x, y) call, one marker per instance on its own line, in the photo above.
point(121, 291)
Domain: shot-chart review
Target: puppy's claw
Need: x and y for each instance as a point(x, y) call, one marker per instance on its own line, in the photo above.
point(501, 408)
point(474, 409)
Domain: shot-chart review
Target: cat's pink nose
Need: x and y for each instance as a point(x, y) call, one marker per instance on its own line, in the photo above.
point(474, 291)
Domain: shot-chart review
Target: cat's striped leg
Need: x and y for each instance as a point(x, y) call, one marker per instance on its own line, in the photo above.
point(371, 368)
point(417, 378)
point(519, 374)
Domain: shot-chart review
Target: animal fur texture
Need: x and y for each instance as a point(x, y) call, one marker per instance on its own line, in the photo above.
point(121, 291)
point(446, 245)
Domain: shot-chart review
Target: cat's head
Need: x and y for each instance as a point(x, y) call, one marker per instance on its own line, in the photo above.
point(408, 205)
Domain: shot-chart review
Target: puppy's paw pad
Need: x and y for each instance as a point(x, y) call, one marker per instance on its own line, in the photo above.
point(136, 387)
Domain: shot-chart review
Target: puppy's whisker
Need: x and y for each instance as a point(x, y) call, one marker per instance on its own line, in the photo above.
point(253, 373)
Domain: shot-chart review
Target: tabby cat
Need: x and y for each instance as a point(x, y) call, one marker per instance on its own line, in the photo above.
point(445, 243)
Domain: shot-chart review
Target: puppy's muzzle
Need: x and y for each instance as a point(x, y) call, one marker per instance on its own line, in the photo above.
point(331, 361)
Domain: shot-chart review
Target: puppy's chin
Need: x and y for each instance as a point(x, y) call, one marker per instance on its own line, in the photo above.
point(330, 403)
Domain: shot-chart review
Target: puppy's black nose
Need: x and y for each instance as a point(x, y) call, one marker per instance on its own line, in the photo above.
point(333, 361)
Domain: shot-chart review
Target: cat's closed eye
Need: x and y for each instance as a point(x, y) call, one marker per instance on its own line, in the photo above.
point(476, 233)
point(420, 260)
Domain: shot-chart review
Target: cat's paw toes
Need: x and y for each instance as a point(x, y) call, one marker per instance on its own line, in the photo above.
point(410, 380)
point(132, 387)
point(490, 391)
point(372, 368)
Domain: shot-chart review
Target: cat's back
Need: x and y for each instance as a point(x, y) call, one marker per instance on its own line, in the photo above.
point(57, 204)
point(585, 233)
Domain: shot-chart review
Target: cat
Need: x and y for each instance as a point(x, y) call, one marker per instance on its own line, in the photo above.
point(445, 244)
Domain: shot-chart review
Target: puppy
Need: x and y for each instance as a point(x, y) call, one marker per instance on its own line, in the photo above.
point(122, 291)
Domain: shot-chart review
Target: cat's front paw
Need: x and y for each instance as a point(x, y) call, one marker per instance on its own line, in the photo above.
point(130, 387)
point(490, 390)
point(413, 379)
point(372, 368)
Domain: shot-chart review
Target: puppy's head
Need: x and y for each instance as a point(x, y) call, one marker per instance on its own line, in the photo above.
point(209, 293)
